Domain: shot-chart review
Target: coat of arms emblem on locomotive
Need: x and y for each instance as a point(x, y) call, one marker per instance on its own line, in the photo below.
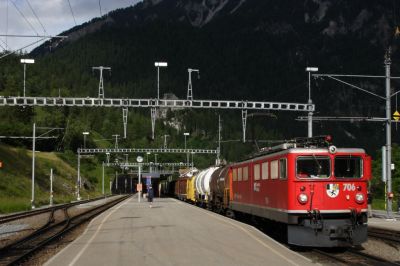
point(332, 190)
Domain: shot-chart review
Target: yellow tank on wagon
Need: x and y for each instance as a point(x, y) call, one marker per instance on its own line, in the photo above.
point(191, 188)
point(190, 174)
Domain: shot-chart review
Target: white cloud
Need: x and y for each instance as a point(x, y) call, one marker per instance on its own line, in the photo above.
point(55, 15)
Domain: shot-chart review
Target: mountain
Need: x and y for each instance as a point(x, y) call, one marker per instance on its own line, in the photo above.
point(245, 50)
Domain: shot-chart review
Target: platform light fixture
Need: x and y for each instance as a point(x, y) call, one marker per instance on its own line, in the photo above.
point(139, 159)
point(84, 138)
point(158, 65)
point(26, 61)
point(187, 154)
point(310, 113)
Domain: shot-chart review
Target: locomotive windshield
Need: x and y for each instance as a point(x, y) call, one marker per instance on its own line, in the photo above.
point(313, 167)
point(348, 167)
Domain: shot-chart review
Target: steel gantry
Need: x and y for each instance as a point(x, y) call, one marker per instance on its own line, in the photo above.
point(145, 150)
point(101, 82)
point(130, 165)
point(244, 106)
point(125, 119)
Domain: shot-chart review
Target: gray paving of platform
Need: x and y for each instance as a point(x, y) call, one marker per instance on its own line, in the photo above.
point(381, 220)
point(172, 233)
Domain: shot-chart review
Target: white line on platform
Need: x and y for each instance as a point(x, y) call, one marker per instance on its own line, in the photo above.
point(81, 236)
point(95, 234)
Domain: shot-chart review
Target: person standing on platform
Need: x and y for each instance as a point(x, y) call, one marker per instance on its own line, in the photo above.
point(150, 195)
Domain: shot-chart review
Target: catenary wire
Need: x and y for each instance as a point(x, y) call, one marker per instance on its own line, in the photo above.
point(4, 43)
point(100, 8)
point(72, 12)
point(34, 13)
point(22, 14)
point(6, 24)
point(19, 49)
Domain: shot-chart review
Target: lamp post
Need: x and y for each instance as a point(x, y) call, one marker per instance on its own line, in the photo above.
point(116, 182)
point(26, 61)
point(192, 166)
point(102, 181)
point(190, 87)
point(126, 158)
point(108, 158)
point(158, 65)
point(51, 187)
point(33, 166)
point(84, 138)
point(155, 161)
point(187, 154)
point(310, 114)
point(165, 141)
point(116, 140)
point(139, 159)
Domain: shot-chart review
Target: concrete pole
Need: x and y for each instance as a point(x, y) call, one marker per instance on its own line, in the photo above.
point(78, 195)
point(131, 185)
point(51, 187)
point(155, 162)
point(33, 166)
point(140, 180)
point(219, 139)
point(102, 181)
point(187, 154)
point(310, 114)
point(388, 136)
point(24, 78)
point(116, 182)
point(158, 83)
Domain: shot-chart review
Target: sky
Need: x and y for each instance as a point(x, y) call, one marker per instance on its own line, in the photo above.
point(48, 17)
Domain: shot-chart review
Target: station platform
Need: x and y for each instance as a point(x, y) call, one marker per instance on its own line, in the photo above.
point(380, 220)
point(172, 233)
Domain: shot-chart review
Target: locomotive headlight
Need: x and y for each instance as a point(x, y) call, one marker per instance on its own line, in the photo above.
point(302, 198)
point(360, 198)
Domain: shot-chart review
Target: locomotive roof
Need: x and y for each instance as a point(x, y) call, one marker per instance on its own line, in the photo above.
point(302, 150)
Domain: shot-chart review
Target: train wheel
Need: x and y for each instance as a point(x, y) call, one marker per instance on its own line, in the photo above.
point(230, 214)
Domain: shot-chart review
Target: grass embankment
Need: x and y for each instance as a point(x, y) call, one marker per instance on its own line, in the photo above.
point(379, 204)
point(16, 176)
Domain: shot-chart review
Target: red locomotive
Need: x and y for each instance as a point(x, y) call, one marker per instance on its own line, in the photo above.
point(318, 191)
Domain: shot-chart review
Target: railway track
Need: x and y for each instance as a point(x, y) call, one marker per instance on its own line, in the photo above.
point(383, 234)
point(26, 214)
point(21, 250)
point(354, 257)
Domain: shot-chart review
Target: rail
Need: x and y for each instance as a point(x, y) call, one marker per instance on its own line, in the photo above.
point(21, 215)
point(354, 257)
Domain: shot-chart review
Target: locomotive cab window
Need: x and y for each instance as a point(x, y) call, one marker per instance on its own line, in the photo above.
point(348, 167)
point(313, 167)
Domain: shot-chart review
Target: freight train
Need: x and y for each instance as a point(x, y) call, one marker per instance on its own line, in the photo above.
point(317, 191)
